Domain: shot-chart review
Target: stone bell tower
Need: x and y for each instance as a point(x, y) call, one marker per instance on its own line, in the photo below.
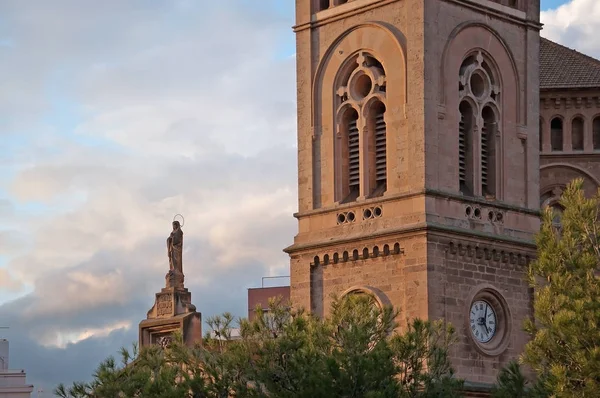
point(173, 309)
point(418, 164)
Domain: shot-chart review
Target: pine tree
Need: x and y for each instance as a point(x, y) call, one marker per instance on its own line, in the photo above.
point(564, 350)
point(287, 353)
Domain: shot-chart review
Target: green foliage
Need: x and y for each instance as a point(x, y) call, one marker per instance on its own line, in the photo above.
point(287, 353)
point(511, 383)
point(564, 350)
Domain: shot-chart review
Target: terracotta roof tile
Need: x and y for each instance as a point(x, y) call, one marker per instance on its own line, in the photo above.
point(562, 67)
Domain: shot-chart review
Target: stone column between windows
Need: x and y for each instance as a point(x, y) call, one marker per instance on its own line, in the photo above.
point(546, 137)
point(567, 135)
point(588, 132)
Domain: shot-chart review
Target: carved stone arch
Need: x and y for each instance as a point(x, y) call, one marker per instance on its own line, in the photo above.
point(493, 107)
point(382, 40)
point(385, 44)
point(561, 174)
point(370, 101)
point(341, 111)
point(551, 194)
point(471, 36)
point(380, 297)
point(580, 116)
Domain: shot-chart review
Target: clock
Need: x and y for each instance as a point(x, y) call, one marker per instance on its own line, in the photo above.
point(482, 320)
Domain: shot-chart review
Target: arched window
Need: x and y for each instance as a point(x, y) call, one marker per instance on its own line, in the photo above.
point(465, 155)
point(541, 132)
point(362, 146)
point(551, 199)
point(596, 133)
point(488, 152)
point(556, 134)
point(577, 134)
point(349, 170)
point(376, 151)
point(478, 156)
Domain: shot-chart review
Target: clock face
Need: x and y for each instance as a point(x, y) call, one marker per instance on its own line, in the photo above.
point(482, 319)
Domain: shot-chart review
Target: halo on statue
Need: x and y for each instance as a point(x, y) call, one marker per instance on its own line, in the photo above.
point(182, 222)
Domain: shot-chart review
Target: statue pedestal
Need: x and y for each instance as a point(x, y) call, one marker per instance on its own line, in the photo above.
point(172, 311)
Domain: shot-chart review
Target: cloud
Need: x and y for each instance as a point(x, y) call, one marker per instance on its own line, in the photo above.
point(574, 24)
point(8, 282)
point(123, 114)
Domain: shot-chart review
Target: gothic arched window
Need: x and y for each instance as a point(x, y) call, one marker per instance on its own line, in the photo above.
point(361, 150)
point(488, 152)
point(478, 150)
point(465, 154)
point(376, 148)
point(556, 134)
point(577, 134)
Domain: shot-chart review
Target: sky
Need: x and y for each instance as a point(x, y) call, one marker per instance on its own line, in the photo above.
point(117, 115)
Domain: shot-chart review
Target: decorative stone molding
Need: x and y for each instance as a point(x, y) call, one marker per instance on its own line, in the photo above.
point(569, 102)
point(475, 212)
point(346, 217)
point(368, 213)
point(372, 212)
point(488, 253)
point(378, 295)
point(357, 255)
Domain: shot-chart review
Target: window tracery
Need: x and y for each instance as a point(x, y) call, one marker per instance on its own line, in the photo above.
point(478, 130)
point(361, 158)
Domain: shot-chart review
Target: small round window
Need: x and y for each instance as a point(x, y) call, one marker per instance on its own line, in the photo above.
point(478, 85)
point(361, 86)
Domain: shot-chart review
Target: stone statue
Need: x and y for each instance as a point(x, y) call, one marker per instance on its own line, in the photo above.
point(175, 248)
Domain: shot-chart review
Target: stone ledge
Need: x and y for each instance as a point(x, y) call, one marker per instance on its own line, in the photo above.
point(412, 230)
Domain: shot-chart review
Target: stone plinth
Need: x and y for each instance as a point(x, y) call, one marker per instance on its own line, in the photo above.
point(172, 311)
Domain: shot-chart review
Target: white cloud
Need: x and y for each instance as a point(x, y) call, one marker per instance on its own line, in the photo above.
point(122, 115)
point(575, 24)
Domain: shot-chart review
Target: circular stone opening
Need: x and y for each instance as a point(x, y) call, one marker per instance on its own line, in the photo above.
point(362, 86)
point(491, 216)
point(377, 212)
point(468, 211)
point(489, 322)
point(477, 213)
point(341, 218)
point(351, 216)
point(477, 85)
point(499, 217)
point(367, 214)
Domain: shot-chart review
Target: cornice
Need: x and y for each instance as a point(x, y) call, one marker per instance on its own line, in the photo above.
point(413, 230)
point(518, 17)
point(583, 156)
point(424, 193)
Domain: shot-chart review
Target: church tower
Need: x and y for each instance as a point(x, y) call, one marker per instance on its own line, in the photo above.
point(418, 164)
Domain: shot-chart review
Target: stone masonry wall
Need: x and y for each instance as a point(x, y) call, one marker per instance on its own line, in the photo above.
point(457, 269)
